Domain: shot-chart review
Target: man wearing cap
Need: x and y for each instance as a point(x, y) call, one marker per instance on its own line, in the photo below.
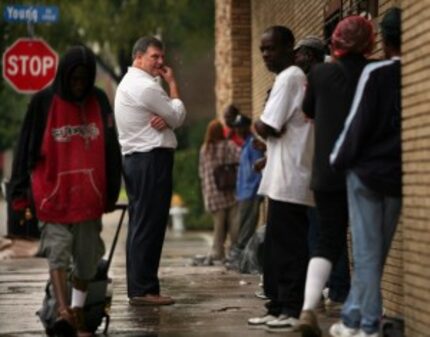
point(308, 52)
point(328, 98)
point(369, 149)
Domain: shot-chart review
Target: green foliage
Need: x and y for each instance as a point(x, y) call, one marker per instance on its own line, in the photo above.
point(186, 180)
point(186, 183)
point(12, 110)
point(110, 28)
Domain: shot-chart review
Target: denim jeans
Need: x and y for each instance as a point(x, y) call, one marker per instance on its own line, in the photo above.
point(373, 218)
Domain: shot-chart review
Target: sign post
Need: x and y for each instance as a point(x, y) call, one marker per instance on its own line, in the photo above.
point(29, 65)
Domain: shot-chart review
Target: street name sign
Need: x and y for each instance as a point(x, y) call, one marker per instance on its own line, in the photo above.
point(32, 14)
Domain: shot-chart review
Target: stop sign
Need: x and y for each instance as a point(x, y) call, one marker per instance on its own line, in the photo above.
point(29, 65)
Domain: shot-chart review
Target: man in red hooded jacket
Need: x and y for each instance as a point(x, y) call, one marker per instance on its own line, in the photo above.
point(67, 169)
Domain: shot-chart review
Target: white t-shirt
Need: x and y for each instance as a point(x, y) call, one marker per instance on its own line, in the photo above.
point(287, 174)
point(138, 98)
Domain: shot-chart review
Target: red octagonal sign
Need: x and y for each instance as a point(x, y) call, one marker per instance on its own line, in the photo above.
point(29, 65)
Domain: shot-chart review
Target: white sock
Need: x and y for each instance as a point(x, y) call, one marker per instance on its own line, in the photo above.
point(318, 273)
point(78, 298)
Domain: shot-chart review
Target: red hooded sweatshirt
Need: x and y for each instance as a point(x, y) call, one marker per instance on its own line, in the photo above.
point(69, 178)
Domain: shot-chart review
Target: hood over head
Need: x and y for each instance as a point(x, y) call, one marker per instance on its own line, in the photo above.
point(75, 56)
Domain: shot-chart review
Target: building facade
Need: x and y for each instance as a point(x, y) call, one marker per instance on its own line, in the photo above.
point(242, 79)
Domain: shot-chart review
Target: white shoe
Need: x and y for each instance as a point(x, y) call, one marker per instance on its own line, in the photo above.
point(284, 322)
point(341, 330)
point(261, 320)
point(260, 294)
point(361, 333)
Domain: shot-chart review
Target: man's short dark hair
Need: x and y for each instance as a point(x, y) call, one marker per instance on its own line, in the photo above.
point(142, 45)
point(391, 28)
point(285, 35)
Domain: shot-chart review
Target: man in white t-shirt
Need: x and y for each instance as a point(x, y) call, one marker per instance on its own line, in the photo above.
point(285, 182)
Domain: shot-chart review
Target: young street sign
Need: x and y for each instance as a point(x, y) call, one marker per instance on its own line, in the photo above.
point(32, 14)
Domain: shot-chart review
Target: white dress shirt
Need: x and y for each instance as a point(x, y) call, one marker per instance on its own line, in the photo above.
point(140, 97)
point(286, 176)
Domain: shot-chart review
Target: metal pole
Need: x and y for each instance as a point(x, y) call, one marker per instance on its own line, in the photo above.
point(30, 29)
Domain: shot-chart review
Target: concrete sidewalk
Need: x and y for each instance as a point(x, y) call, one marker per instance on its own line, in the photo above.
point(210, 301)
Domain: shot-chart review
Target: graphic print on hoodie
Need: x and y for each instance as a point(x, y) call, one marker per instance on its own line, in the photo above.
point(69, 180)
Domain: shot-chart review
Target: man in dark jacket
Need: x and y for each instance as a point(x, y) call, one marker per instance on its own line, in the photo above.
point(369, 150)
point(328, 98)
point(309, 52)
point(68, 146)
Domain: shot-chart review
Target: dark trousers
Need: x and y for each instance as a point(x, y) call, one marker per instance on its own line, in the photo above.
point(332, 216)
point(340, 278)
point(249, 211)
point(285, 257)
point(148, 180)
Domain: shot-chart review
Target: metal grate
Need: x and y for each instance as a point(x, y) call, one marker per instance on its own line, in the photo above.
point(334, 12)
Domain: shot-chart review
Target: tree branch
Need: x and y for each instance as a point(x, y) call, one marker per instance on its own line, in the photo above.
point(106, 67)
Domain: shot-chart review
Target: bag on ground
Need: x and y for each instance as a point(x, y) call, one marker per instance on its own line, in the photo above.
point(251, 261)
point(99, 297)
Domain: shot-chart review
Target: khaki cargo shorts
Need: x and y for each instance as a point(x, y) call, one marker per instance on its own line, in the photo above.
point(77, 245)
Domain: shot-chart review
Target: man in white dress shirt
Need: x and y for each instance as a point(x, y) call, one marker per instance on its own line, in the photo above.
point(146, 117)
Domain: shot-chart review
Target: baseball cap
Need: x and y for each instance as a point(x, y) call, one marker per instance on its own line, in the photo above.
point(241, 120)
point(311, 42)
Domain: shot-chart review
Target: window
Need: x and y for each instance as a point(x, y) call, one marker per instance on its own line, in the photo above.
point(336, 10)
point(332, 15)
point(367, 6)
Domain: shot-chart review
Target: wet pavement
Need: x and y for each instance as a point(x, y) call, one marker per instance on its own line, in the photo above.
point(210, 301)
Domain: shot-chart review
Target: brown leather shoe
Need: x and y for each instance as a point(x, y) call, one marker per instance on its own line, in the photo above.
point(150, 299)
point(80, 323)
point(308, 324)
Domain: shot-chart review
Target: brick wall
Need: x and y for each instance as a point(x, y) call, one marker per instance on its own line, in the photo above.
point(393, 280)
point(302, 17)
point(223, 55)
point(416, 167)
point(406, 277)
point(233, 55)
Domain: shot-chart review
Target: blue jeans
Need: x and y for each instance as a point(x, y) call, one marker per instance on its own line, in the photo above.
point(373, 219)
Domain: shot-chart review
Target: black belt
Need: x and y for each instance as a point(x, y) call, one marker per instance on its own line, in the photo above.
point(157, 149)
